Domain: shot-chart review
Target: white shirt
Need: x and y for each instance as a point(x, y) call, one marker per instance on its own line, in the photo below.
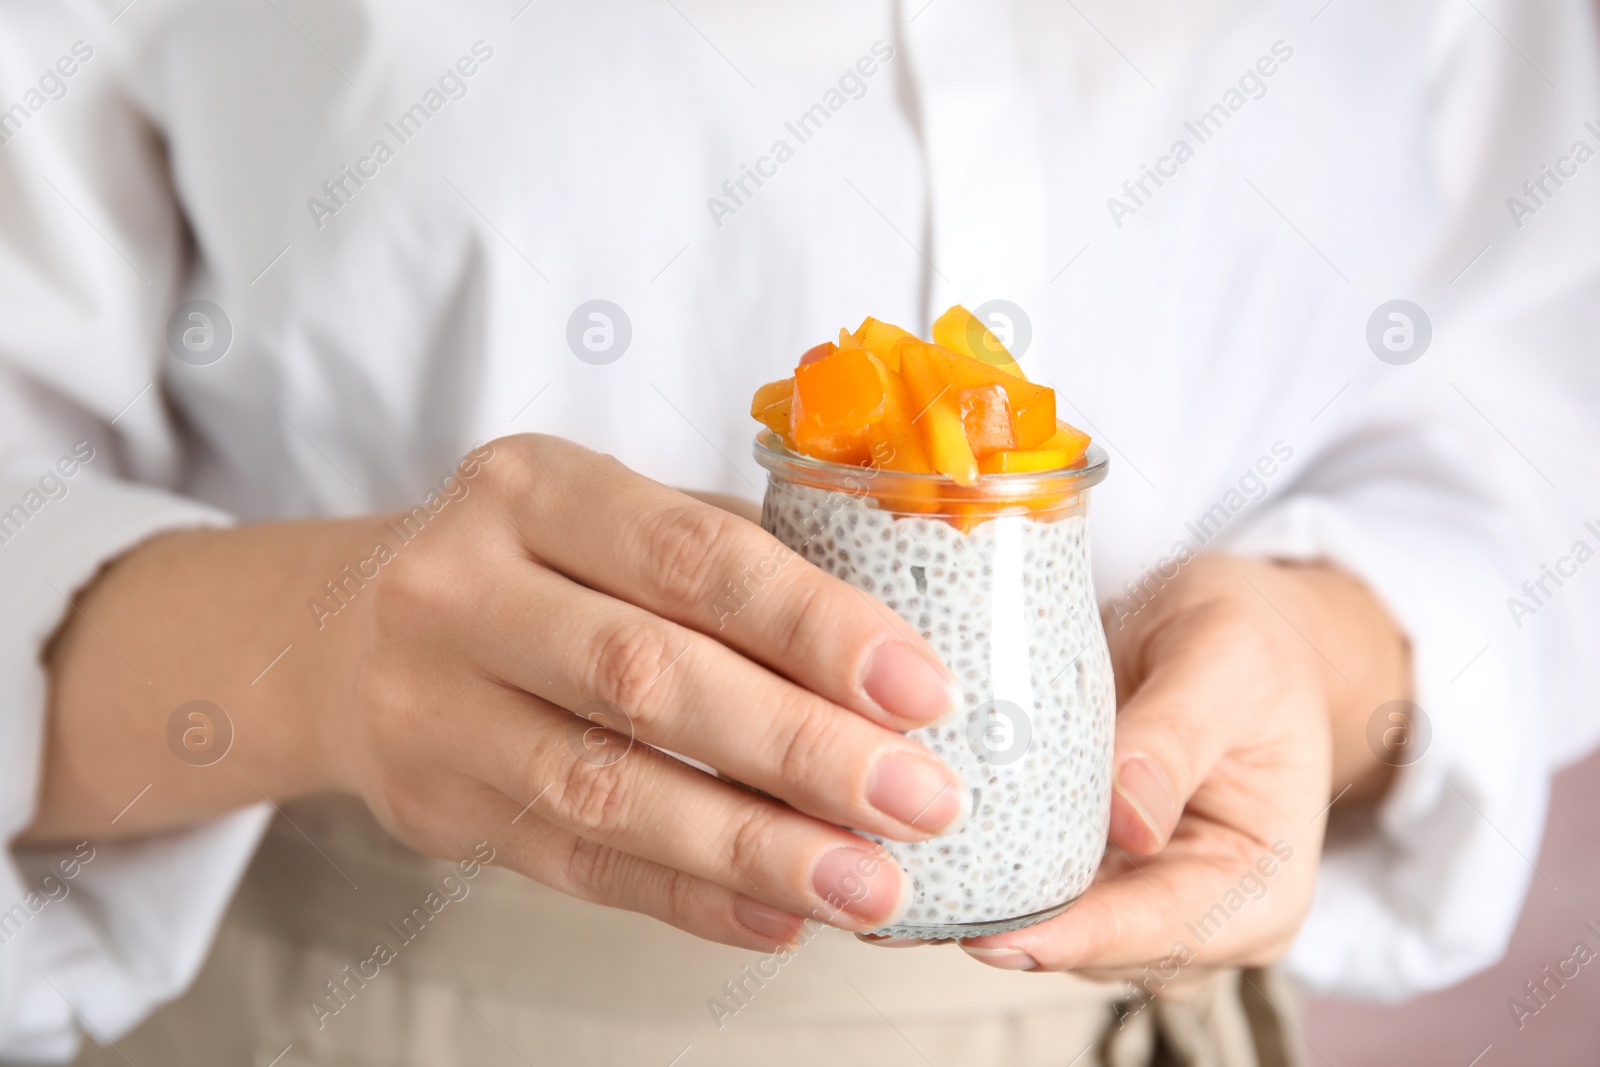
point(1336, 157)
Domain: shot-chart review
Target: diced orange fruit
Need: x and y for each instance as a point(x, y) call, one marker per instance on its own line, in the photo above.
point(959, 407)
point(883, 340)
point(816, 352)
point(1062, 449)
point(771, 406)
point(1033, 407)
point(1068, 439)
point(1024, 461)
point(962, 332)
point(770, 394)
point(836, 401)
point(986, 416)
point(896, 440)
point(939, 413)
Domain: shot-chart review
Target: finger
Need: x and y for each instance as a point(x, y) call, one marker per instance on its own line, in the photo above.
point(591, 518)
point(1204, 900)
point(560, 859)
point(684, 692)
point(652, 806)
point(885, 941)
point(1201, 693)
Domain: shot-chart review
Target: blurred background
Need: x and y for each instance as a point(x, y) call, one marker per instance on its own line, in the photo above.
point(1473, 1023)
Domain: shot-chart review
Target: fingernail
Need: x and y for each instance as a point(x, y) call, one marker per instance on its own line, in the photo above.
point(920, 791)
point(881, 941)
point(781, 926)
point(904, 681)
point(1007, 959)
point(1145, 787)
point(862, 884)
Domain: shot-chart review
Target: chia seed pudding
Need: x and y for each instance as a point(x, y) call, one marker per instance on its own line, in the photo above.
point(1008, 604)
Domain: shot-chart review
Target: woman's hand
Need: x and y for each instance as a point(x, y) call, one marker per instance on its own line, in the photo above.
point(1244, 689)
point(439, 678)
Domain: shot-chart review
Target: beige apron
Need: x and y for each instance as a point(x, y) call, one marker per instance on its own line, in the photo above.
point(493, 970)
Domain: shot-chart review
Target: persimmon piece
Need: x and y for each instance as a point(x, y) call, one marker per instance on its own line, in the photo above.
point(883, 340)
point(1033, 407)
point(816, 352)
point(962, 332)
point(771, 406)
point(778, 418)
point(939, 414)
point(1069, 439)
point(770, 394)
point(897, 445)
point(896, 442)
point(986, 416)
point(837, 399)
point(1024, 461)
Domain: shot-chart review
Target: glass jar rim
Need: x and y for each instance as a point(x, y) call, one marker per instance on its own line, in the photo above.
point(991, 489)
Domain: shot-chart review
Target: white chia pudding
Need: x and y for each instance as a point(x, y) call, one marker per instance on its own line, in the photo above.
point(1010, 608)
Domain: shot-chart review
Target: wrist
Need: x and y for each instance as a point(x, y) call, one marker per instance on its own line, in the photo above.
point(334, 597)
point(1364, 661)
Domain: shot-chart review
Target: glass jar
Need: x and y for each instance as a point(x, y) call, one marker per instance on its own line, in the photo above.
point(996, 578)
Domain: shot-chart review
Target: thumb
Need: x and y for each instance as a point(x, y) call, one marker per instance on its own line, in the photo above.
point(1169, 736)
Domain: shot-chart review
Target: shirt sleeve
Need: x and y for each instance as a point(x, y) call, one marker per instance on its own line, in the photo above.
point(1452, 487)
point(92, 254)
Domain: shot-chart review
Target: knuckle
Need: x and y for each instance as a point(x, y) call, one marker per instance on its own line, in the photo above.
point(594, 800)
point(807, 745)
point(517, 461)
point(591, 870)
point(809, 613)
point(629, 661)
point(1257, 644)
point(682, 898)
point(412, 586)
point(687, 546)
point(752, 839)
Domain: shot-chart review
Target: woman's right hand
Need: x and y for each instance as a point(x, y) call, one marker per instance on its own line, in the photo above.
point(563, 582)
point(548, 580)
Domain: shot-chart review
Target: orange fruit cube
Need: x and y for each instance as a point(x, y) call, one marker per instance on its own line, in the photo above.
point(939, 413)
point(963, 333)
point(883, 340)
point(837, 399)
point(986, 416)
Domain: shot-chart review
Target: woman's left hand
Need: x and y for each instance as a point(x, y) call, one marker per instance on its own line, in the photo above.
point(1244, 689)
